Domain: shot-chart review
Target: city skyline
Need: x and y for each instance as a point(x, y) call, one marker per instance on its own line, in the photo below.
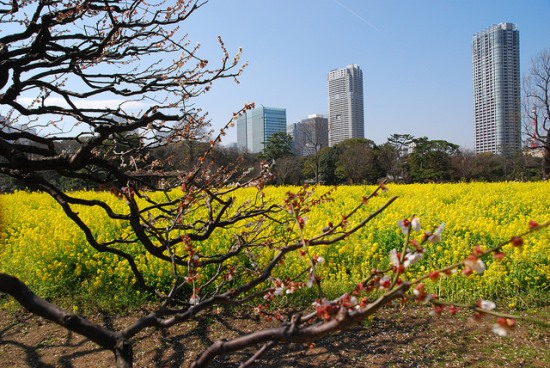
point(415, 58)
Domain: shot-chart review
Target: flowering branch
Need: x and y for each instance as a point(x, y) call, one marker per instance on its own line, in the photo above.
point(474, 263)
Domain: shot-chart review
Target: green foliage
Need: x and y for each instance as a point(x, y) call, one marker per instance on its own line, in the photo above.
point(431, 160)
point(357, 161)
point(278, 145)
point(328, 158)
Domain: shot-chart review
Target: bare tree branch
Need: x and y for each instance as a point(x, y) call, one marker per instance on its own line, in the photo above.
point(102, 336)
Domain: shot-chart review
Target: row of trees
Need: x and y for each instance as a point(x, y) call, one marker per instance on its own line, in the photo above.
point(403, 158)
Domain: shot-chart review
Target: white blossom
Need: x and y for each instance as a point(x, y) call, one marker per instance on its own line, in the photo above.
point(310, 279)
point(436, 236)
point(486, 305)
point(412, 258)
point(415, 223)
point(477, 265)
point(194, 299)
point(499, 330)
point(394, 258)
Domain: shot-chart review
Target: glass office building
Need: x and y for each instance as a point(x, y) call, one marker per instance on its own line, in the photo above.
point(497, 89)
point(345, 104)
point(257, 125)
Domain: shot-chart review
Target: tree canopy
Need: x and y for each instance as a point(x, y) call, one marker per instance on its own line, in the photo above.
point(278, 145)
point(431, 160)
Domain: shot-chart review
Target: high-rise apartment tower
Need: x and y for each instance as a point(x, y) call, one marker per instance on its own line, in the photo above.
point(255, 127)
point(345, 104)
point(497, 94)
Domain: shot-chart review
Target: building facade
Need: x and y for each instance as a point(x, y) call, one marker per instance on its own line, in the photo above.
point(255, 127)
point(345, 104)
point(497, 89)
point(310, 135)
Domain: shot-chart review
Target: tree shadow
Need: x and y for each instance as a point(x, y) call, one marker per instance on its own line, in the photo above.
point(44, 344)
point(385, 342)
point(32, 357)
point(391, 339)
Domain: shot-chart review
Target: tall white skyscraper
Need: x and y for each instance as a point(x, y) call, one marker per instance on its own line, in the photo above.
point(345, 104)
point(497, 89)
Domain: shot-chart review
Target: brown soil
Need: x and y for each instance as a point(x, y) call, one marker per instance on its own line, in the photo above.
point(394, 338)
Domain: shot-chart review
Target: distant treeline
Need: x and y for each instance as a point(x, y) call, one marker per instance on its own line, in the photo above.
point(403, 158)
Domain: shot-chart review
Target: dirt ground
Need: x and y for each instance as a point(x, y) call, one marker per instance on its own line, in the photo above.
point(394, 338)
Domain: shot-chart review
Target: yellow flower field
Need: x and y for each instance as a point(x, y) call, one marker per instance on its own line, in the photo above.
point(40, 245)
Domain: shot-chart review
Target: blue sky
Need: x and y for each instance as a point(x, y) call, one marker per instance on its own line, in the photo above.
point(415, 57)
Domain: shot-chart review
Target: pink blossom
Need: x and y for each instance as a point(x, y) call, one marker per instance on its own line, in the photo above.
point(437, 310)
point(278, 291)
point(194, 299)
point(302, 221)
point(517, 241)
point(475, 264)
point(292, 287)
point(404, 225)
point(421, 294)
point(323, 309)
point(385, 282)
point(503, 325)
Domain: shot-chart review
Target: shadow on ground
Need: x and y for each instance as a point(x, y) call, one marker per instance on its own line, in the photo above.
point(394, 338)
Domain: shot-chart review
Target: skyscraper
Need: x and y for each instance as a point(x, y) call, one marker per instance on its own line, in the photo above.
point(497, 94)
point(309, 135)
point(255, 127)
point(345, 104)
